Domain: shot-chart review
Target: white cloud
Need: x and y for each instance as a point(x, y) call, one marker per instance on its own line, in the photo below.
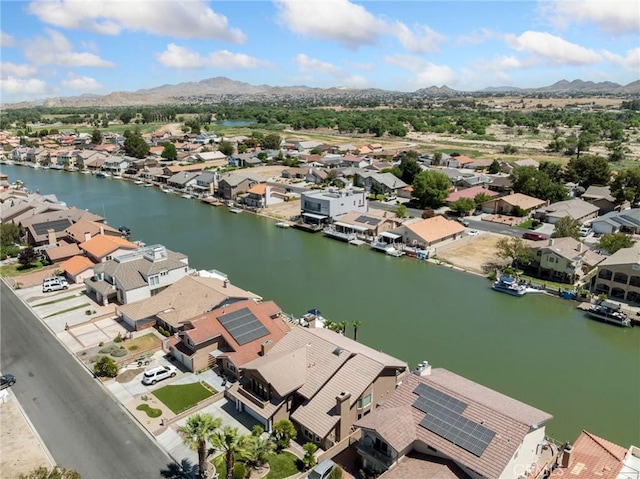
point(476, 37)
point(57, 50)
point(6, 40)
point(79, 83)
point(425, 72)
point(308, 64)
point(553, 48)
point(620, 16)
point(176, 56)
point(176, 18)
point(22, 88)
point(630, 62)
point(339, 20)
point(422, 41)
point(9, 69)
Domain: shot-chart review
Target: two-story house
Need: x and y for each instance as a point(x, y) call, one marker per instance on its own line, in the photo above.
point(101, 247)
point(184, 180)
point(381, 183)
point(116, 165)
point(619, 275)
point(437, 417)
point(231, 185)
point(322, 206)
point(321, 380)
point(564, 260)
point(137, 275)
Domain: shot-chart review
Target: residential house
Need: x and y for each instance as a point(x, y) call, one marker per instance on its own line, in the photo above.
point(263, 195)
point(469, 193)
point(321, 380)
point(368, 225)
point(576, 209)
point(459, 161)
point(601, 197)
point(322, 206)
point(183, 300)
point(306, 145)
point(137, 275)
point(61, 251)
point(508, 166)
point(355, 161)
point(231, 185)
point(185, 180)
point(380, 183)
point(212, 158)
point(564, 260)
point(426, 233)
point(501, 184)
point(77, 269)
point(50, 227)
point(115, 165)
point(101, 248)
point(229, 336)
point(21, 206)
point(437, 417)
point(206, 181)
point(619, 275)
point(38, 156)
point(169, 171)
point(93, 162)
point(479, 164)
point(626, 221)
point(84, 230)
point(592, 457)
point(515, 204)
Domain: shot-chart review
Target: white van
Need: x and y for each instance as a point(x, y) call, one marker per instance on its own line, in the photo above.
point(55, 283)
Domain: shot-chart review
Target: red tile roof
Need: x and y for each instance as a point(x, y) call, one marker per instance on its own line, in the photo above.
point(592, 458)
point(101, 245)
point(76, 265)
point(470, 193)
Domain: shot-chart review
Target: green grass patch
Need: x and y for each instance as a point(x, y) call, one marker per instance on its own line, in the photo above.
point(283, 464)
point(526, 225)
point(549, 284)
point(151, 411)
point(181, 397)
point(16, 269)
point(143, 343)
point(469, 153)
point(67, 310)
point(59, 300)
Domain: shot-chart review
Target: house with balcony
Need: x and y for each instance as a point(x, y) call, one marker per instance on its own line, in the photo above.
point(184, 180)
point(324, 206)
point(229, 337)
point(185, 299)
point(619, 275)
point(231, 185)
point(369, 225)
point(116, 165)
point(321, 380)
point(137, 275)
point(564, 260)
point(448, 425)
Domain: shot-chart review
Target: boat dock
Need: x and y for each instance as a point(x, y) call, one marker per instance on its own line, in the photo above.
point(632, 315)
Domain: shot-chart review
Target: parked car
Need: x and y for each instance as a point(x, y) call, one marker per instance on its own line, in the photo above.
point(473, 232)
point(463, 221)
point(153, 375)
point(534, 236)
point(54, 283)
point(322, 470)
point(585, 231)
point(7, 380)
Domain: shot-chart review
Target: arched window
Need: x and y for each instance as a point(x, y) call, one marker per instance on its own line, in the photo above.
point(634, 281)
point(633, 296)
point(602, 288)
point(620, 278)
point(605, 274)
point(617, 293)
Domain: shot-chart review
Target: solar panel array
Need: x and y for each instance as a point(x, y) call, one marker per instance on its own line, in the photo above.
point(243, 326)
point(368, 220)
point(443, 416)
point(55, 225)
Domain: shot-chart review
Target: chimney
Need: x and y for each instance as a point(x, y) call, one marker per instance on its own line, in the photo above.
point(566, 456)
point(550, 241)
point(225, 283)
point(342, 410)
point(87, 236)
point(101, 230)
point(51, 236)
point(265, 347)
point(423, 369)
point(579, 247)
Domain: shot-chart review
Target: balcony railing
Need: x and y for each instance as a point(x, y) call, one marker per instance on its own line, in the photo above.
point(253, 398)
point(380, 457)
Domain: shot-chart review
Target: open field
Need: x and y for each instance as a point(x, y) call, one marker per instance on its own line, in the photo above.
point(471, 253)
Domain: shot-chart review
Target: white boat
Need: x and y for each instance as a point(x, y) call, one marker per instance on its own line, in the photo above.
point(283, 224)
point(148, 184)
point(138, 182)
point(235, 210)
point(167, 190)
point(339, 233)
point(117, 177)
point(188, 196)
point(103, 174)
point(394, 252)
point(608, 315)
point(507, 284)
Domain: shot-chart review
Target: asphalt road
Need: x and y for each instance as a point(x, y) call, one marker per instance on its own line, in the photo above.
point(81, 424)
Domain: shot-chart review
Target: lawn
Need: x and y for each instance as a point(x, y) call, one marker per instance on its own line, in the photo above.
point(143, 343)
point(282, 464)
point(16, 269)
point(181, 397)
point(527, 225)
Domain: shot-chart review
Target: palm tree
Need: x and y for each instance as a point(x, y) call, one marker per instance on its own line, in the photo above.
point(258, 449)
point(342, 327)
point(198, 430)
point(233, 445)
point(356, 325)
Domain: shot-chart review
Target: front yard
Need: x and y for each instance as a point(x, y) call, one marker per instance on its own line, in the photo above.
point(181, 397)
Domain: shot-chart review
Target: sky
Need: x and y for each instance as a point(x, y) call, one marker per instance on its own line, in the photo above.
point(52, 48)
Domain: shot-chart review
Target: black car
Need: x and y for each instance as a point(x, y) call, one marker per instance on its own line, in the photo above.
point(7, 380)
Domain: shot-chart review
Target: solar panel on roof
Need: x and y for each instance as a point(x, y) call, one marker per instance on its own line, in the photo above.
point(55, 225)
point(368, 220)
point(243, 326)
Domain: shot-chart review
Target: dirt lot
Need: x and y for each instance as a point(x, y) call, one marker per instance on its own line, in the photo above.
point(472, 252)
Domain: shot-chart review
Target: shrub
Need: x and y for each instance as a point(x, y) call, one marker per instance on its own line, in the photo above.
point(101, 343)
point(309, 459)
point(118, 353)
point(239, 470)
point(88, 312)
point(117, 339)
point(106, 367)
point(106, 350)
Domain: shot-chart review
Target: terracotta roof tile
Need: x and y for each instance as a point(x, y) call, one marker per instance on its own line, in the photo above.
point(470, 193)
point(62, 251)
point(436, 228)
point(593, 458)
point(76, 265)
point(101, 245)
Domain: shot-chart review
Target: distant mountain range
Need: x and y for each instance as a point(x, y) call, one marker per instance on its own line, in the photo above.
point(224, 89)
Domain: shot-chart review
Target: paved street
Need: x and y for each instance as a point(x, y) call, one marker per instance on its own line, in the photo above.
point(81, 425)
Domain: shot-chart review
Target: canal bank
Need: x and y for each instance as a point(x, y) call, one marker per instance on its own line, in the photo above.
point(540, 350)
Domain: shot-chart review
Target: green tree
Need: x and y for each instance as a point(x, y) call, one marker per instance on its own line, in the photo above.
point(431, 188)
point(271, 141)
point(514, 249)
point(553, 171)
point(463, 205)
point(481, 198)
point(409, 167)
point(566, 227)
point(232, 444)
point(226, 148)
point(105, 367)
point(136, 146)
point(126, 116)
point(283, 433)
point(530, 181)
point(494, 168)
point(55, 473)
point(258, 449)
point(401, 211)
point(9, 234)
point(169, 152)
point(612, 242)
point(336, 473)
point(588, 170)
point(309, 459)
point(27, 256)
point(199, 430)
point(626, 186)
point(356, 325)
point(437, 158)
point(96, 137)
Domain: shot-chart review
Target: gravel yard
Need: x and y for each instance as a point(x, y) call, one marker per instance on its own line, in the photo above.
point(471, 253)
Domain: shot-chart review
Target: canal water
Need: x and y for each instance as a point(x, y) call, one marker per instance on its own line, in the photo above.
point(538, 349)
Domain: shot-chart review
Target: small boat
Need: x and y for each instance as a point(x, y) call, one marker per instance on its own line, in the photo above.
point(282, 224)
point(187, 196)
point(146, 185)
point(608, 314)
point(167, 190)
point(507, 284)
point(102, 174)
point(394, 252)
point(138, 182)
point(235, 210)
point(117, 177)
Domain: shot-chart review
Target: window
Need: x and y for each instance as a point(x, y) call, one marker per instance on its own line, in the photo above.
point(605, 274)
point(231, 367)
point(164, 273)
point(364, 402)
point(154, 280)
point(620, 278)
